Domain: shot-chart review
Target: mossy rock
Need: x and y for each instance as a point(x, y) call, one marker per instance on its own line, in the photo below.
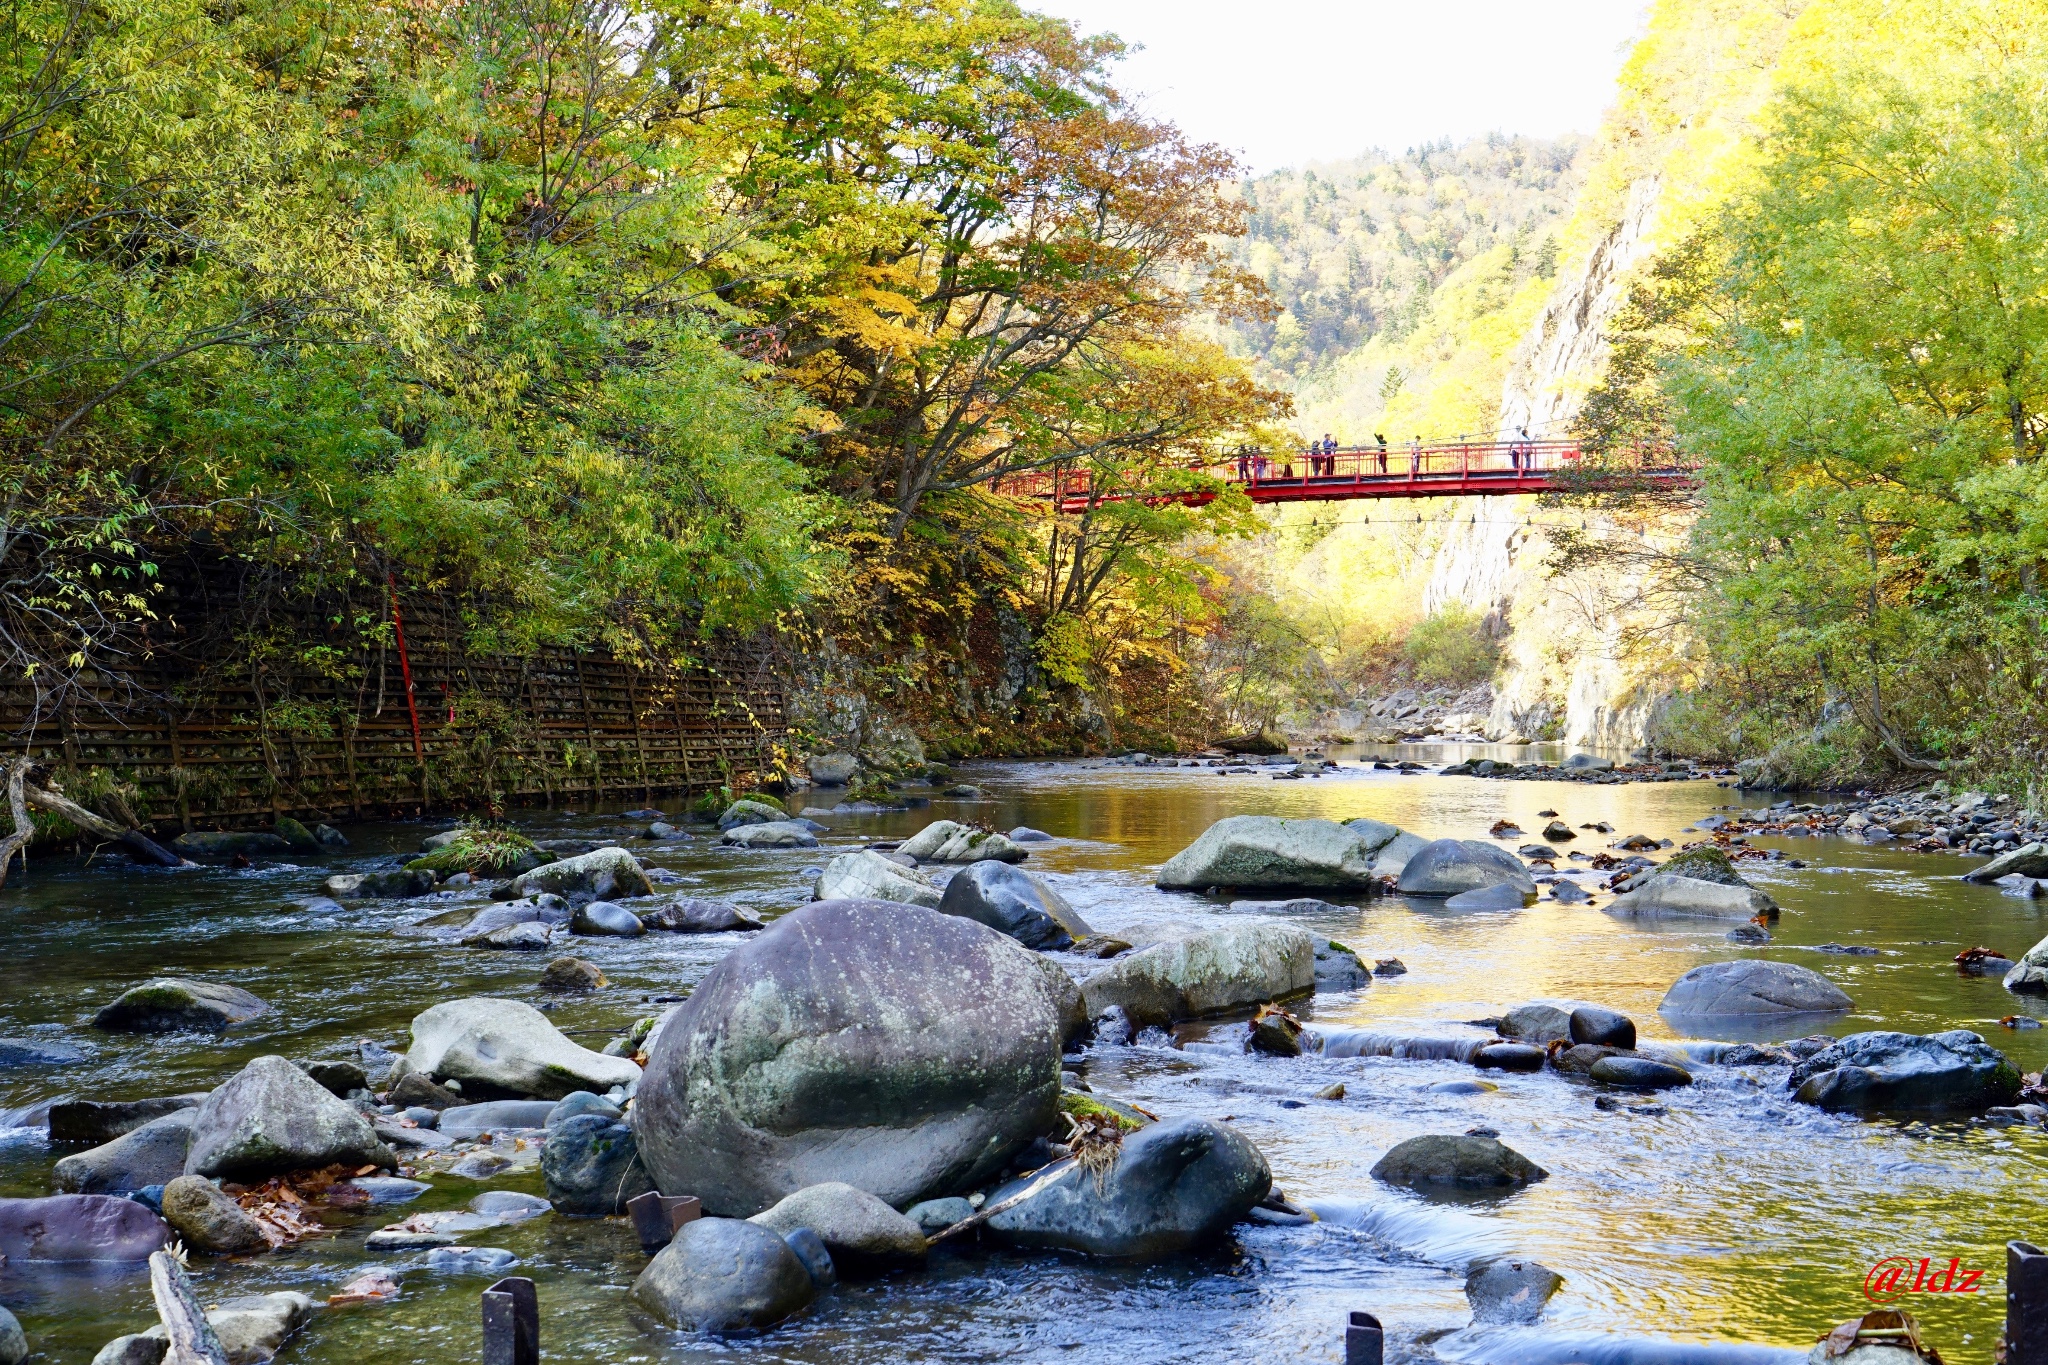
point(1703, 863)
point(297, 835)
point(484, 853)
point(1091, 1107)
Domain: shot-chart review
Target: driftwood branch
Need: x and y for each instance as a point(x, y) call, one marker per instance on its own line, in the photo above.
point(17, 842)
point(1037, 1183)
point(192, 1338)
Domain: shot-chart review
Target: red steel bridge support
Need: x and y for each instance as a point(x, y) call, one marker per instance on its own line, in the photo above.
point(1461, 470)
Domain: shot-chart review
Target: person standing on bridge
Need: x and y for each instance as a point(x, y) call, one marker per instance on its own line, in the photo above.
point(1258, 465)
point(1329, 455)
point(1415, 457)
point(1244, 463)
point(1382, 442)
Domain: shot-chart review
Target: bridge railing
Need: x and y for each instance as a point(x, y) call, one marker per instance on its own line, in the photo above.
point(1360, 467)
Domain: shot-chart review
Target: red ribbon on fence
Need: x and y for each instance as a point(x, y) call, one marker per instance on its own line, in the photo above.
point(405, 667)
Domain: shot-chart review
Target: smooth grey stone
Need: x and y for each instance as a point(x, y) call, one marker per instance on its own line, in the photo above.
point(1752, 987)
point(1642, 1073)
point(270, 1118)
point(602, 919)
point(1472, 1162)
point(1229, 967)
point(1174, 1186)
point(13, 1341)
point(495, 1116)
point(396, 884)
point(1264, 852)
point(171, 1005)
point(340, 1079)
point(724, 1275)
point(509, 1206)
point(592, 1166)
point(1448, 867)
point(1024, 834)
point(508, 1046)
point(773, 834)
point(834, 1046)
point(214, 843)
point(459, 1260)
point(692, 915)
point(1504, 896)
point(1881, 1070)
point(1606, 1028)
point(1012, 901)
point(1509, 1057)
point(948, 841)
point(152, 1154)
point(852, 1223)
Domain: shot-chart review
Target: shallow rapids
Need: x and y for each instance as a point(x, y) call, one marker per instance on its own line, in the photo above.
point(1720, 1214)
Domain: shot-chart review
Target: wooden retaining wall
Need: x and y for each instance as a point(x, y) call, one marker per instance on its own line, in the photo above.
point(239, 734)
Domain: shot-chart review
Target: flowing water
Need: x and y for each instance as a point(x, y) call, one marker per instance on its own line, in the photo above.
point(1734, 1216)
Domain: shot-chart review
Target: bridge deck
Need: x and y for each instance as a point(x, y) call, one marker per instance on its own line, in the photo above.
point(1462, 470)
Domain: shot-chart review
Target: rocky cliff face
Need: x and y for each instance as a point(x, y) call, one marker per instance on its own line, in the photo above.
point(1565, 672)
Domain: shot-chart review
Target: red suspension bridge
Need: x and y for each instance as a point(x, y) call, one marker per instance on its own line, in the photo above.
point(1449, 470)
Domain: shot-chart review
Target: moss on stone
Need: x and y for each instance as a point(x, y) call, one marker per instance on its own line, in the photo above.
point(1086, 1106)
point(481, 851)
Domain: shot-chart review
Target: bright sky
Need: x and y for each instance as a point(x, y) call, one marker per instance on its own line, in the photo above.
point(1285, 82)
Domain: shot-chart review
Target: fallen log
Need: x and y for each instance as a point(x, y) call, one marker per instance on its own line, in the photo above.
point(139, 845)
point(192, 1341)
point(22, 797)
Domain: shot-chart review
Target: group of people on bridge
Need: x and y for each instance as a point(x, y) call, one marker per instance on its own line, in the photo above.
point(1255, 466)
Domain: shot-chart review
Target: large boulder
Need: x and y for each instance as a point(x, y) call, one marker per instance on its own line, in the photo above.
point(947, 841)
point(854, 1225)
point(1173, 1186)
point(1233, 967)
point(208, 1220)
point(1012, 901)
point(770, 834)
point(1667, 897)
point(2028, 860)
point(601, 874)
point(1951, 1071)
point(508, 1047)
point(270, 1118)
point(1447, 867)
point(79, 1227)
point(150, 1154)
point(899, 1050)
point(1472, 1162)
point(724, 1275)
point(1752, 987)
point(172, 1005)
point(592, 1166)
point(1264, 852)
point(865, 875)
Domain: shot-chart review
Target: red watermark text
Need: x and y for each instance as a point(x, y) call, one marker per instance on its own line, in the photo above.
point(1897, 1276)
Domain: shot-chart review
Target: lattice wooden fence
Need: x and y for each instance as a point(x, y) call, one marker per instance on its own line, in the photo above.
point(223, 735)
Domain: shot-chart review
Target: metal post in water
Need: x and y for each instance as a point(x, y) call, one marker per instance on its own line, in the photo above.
point(1365, 1342)
point(511, 1323)
point(2026, 1304)
point(657, 1218)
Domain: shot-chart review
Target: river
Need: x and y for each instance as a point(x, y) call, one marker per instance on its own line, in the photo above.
point(1733, 1216)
